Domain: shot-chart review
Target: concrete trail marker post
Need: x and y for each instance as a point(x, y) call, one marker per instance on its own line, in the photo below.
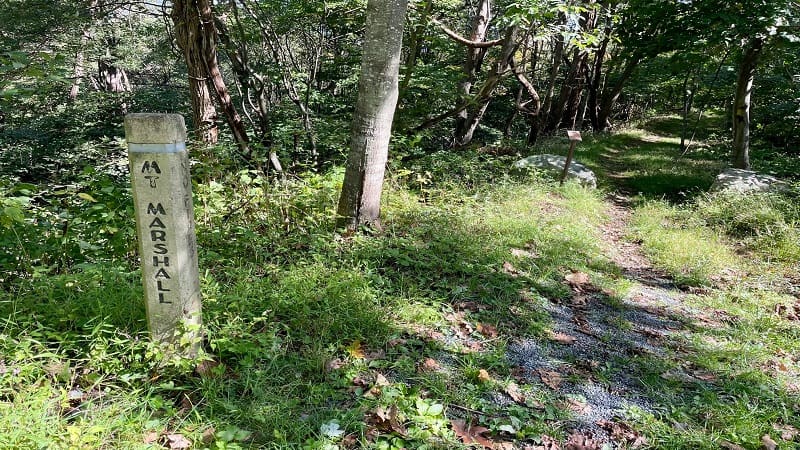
point(574, 138)
point(162, 196)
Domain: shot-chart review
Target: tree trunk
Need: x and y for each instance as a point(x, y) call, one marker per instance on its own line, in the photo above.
point(415, 46)
point(193, 41)
point(482, 99)
point(741, 104)
point(359, 203)
point(610, 97)
point(536, 121)
point(472, 62)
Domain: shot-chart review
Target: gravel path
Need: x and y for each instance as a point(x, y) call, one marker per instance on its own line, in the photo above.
point(601, 339)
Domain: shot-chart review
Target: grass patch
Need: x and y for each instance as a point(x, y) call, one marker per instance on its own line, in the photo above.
point(691, 253)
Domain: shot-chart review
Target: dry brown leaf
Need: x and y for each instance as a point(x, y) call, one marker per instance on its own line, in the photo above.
point(395, 342)
point(788, 432)
point(470, 306)
point(177, 441)
point(579, 441)
point(334, 364)
point(623, 433)
point(510, 269)
point(470, 434)
point(487, 330)
point(730, 446)
point(150, 437)
point(208, 436)
point(562, 338)
point(503, 446)
point(548, 443)
point(575, 405)
point(206, 368)
point(349, 441)
point(483, 376)
point(513, 391)
point(577, 278)
point(552, 379)
point(519, 373)
point(385, 421)
point(429, 365)
point(767, 443)
point(381, 380)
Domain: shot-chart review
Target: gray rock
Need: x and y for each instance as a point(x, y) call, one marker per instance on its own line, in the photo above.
point(554, 164)
point(739, 180)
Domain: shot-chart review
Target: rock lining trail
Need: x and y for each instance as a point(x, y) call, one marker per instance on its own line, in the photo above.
point(607, 335)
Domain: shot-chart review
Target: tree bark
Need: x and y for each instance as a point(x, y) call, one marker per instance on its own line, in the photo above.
point(536, 121)
point(359, 203)
point(475, 114)
point(610, 96)
point(193, 41)
point(741, 103)
point(472, 62)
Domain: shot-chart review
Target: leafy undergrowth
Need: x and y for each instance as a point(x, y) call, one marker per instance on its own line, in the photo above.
point(488, 313)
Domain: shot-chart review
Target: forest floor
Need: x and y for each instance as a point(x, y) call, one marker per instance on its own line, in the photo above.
point(491, 312)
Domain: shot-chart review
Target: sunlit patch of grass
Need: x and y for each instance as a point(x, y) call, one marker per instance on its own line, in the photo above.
point(689, 252)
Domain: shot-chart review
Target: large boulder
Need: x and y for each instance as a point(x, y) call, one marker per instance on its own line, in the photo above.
point(739, 180)
point(554, 164)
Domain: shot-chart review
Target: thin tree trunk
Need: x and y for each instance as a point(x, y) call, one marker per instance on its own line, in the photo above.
point(741, 103)
point(610, 96)
point(360, 200)
point(472, 62)
point(474, 115)
point(415, 46)
point(542, 117)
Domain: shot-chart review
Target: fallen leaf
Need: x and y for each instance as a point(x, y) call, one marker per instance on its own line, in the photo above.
point(483, 376)
point(579, 441)
point(575, 405)
point(577, 278)
point(178, 441)
point(623, 433)
point(395, 342)
point(767, 443)
point(788, 432)
point(547, 443)
point(381, 380)
point(519, 373)
point(349, 441)
point(206, 367)
point(550, 378)
point(562, 338)
point(470, 306)
point(470, 434)
point(513, 391)
point(503, 446)
point(334, 364)
point(386, 421)
point(150, 437)
point(510, 269)
point(730, 446)
point(209, 435)
point(520, 253)
point(429, 365)
point(487, 330)
point(372, 356)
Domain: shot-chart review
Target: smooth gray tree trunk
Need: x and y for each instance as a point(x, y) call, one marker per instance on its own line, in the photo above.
point(360, 200)
point(741, 104)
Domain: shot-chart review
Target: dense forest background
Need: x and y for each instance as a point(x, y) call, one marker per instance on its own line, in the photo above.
point(672, 313)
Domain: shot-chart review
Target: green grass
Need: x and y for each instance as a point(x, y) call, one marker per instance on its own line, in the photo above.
point(310, 332)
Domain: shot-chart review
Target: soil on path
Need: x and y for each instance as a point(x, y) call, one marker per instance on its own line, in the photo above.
point(606, 341)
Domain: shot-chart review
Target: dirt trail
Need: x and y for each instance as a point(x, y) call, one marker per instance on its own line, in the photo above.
point(610, 341)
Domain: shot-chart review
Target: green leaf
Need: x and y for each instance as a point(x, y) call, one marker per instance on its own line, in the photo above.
point(87, 197)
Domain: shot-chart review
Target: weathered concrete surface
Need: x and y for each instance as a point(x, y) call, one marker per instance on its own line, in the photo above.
point(165, 226)
point(739, 180)
point(554, 164)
